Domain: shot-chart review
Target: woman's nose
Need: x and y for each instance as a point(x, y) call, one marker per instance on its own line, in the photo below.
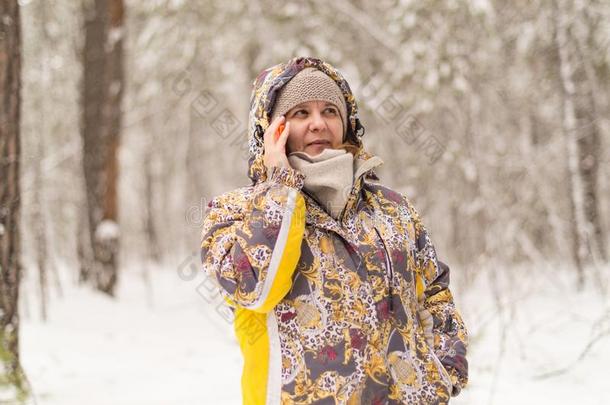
point(317, 121)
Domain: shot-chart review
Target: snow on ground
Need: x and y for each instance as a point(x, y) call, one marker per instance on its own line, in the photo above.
point(154, 345)
point(163, 341)
point(548, 344)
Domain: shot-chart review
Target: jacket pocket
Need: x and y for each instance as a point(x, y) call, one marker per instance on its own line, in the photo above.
point(442, 371)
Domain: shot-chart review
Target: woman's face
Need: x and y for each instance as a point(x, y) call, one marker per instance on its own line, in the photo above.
point(314, 126)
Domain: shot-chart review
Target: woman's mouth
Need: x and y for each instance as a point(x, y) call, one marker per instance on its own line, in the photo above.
point(319, 142)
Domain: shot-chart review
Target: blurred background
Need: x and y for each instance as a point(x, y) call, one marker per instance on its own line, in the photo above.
point(121, 119)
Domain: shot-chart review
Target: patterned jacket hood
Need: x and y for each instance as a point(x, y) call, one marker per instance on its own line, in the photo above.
point(265, 90)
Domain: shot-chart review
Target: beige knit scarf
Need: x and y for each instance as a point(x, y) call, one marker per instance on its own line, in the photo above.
point(330, 175)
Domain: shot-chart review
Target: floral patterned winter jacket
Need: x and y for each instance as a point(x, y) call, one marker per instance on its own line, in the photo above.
point(329, 311)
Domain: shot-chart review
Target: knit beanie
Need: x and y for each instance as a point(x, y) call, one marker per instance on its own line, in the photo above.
point(310, 84)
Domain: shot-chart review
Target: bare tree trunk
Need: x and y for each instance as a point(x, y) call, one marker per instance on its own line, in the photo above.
point(153, 248)
point(589, 141)
point(570, 130)
point(101, 125)
point(94, 151)
point(12, 378)
point(153, 254)
point(39, 212)
point(40, 225)
point(83, 244)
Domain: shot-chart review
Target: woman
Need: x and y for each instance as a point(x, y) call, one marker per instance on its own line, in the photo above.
point(337, 292)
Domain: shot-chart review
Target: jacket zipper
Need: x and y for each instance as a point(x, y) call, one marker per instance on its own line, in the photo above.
point(356, 188)
point(388, 265)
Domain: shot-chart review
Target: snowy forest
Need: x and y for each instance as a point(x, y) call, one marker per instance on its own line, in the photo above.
point(120, 120)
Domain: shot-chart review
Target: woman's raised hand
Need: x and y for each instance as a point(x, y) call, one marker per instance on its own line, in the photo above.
point(275, 149)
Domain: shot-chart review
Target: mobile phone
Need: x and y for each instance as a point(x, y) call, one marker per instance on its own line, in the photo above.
point(279, 131)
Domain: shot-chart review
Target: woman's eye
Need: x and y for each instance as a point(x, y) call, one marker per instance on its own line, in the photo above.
point(300, 111)
point(331, 110)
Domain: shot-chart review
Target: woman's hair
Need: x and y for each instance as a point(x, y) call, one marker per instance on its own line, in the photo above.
point(349, 148)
